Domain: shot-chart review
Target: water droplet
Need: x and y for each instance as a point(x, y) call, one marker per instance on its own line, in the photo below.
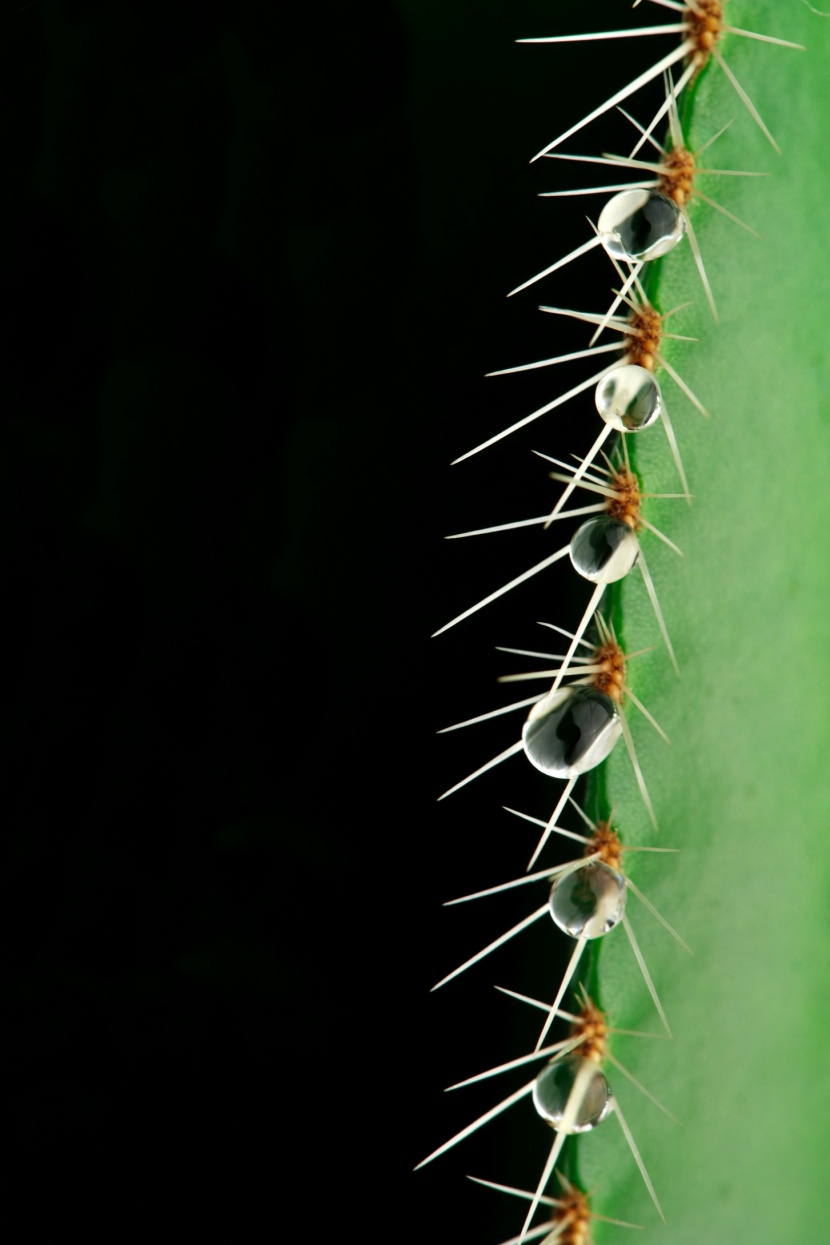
point(555, 1084)
point(571, 731)
point(589, 901)
point(604, 550)
point(629, 398)
point(640, 225)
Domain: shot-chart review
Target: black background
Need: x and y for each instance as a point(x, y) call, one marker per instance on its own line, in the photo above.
point(253, 263)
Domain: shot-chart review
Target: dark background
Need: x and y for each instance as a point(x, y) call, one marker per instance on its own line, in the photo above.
point(253, 267)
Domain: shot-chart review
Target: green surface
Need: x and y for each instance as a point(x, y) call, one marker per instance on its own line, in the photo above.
point(743, 790)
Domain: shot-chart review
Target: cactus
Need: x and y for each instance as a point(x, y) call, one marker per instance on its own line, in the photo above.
point(741, 792)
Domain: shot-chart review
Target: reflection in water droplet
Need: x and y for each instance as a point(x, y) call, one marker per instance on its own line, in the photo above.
point(604, 550)
point(571, 731)
point(589, 901)
point(640, 225)
point(629, 398)
point(555, 1084)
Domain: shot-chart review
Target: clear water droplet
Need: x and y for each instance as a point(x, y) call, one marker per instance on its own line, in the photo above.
point(589, 901)
point(629, 398)
point(640, 225)
point(555, 1084)
point(571, 731)
point(604, 550)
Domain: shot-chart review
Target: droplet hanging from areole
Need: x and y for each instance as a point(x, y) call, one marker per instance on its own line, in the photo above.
point(629, 398)
point(574, 1097)
point(588, 902)
point(642, 333)
point(604, 550)
point(647, 217)
point(585, 901)
point(571, 731)
point(640, 225)
point(635, 226)
point(645, 220)
point(555, 1085)
point(574, 728)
